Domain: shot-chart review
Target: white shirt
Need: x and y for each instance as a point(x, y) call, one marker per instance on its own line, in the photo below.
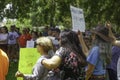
point(12, 36)
point(3, 37)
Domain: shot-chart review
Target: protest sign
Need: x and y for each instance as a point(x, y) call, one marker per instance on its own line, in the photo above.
point(78, 22)
point(30, 44)
point(28, 58)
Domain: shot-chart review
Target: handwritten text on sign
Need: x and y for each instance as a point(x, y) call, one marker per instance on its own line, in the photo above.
point(78, 21)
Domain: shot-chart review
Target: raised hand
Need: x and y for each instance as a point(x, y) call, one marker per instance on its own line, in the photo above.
point(82, 42)
point(80, 34)
point(108, 24)
point(19, 74)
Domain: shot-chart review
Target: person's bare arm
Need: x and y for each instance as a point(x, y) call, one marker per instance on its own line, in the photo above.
point(82, 42)
point(52, 63)
point(89, 71)
point(117, 43)
point(114, 42)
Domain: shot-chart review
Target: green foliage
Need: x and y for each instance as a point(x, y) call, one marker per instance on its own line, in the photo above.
point(13, 67)
point(19, 24)
point(2, 6)
point(57, 12)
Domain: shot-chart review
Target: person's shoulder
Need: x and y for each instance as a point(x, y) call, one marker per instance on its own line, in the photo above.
point(43, 57)
point(60, 51)
point(116, 47)
point(40, 59)
point(95, 48)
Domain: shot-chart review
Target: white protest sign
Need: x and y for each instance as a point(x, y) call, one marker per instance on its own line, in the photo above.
point(78, 22)
point(30, 44)
point(55, 42)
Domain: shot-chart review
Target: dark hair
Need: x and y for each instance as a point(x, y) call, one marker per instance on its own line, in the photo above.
point(5, 27)
point(35, 32)
point(70, 40)
point(57, 30)
point(12, 27)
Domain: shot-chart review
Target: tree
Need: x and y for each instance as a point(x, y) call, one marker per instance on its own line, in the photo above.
point(55, 12)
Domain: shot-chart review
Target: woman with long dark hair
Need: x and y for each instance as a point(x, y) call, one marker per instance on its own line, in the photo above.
point(69, 58)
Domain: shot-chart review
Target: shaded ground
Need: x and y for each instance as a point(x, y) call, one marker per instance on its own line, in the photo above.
point(12, 70)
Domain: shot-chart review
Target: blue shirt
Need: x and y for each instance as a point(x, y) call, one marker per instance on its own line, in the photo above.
point(94, 59)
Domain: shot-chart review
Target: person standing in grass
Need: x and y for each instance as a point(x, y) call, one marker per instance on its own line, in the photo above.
point(39, 72)
point(4, 65)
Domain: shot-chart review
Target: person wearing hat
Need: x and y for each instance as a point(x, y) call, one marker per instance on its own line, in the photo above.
point(99, 55)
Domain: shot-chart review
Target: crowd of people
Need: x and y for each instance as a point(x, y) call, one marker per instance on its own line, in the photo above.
point(66, 55)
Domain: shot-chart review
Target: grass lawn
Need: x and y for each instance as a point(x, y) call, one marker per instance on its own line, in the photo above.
point(12, 70)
